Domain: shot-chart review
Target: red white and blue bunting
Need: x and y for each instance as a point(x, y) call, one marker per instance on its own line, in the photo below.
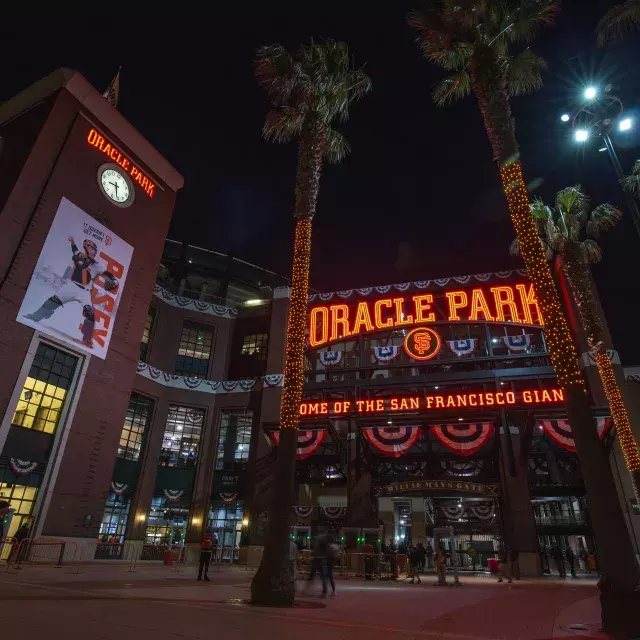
point(462, 347)
point(419, 284)
point(21, 467)
point(119, 488)
point(463, 439)
point(453, 511)
point(392, 441)
point(330, 358)
point(385, 354)
point(207, 308)
point(483, 511)
point(517, 343)
point(228, 498)
point(560, 431)
point(303, 512)
point(273, 380)
point(334, 513)
point(308, 441)
point(172, 494)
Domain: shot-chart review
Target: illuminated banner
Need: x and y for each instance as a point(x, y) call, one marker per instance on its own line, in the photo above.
point(433, 402)
point(508, 303)
point(78, 281)
point(98, 141)
point(396, 488)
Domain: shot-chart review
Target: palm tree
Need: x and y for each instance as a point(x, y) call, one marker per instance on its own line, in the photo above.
point(309, 90)
point(618, 21)
point(570, 231)
point(474, 41)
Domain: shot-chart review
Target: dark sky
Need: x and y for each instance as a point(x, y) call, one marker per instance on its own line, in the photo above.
point(419, 196)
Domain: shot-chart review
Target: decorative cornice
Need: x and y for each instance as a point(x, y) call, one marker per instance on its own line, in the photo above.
point(208, 308)
point(421, 285)
point(206, 386)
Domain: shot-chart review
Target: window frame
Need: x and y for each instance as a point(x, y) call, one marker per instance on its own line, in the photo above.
point(166, 454)
point(219, 464)
point(143, 435)
point(203, 373)
point(260, 345)
point(153, 312)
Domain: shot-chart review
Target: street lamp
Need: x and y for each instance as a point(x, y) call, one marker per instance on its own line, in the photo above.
point(565, 117)
point(598, 117)
point(581, 135)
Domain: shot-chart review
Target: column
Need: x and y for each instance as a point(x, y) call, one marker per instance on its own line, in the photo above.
point(360, 511)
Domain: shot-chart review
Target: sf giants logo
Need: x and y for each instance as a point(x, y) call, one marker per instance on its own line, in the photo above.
point(104, 302)
point(422, 343)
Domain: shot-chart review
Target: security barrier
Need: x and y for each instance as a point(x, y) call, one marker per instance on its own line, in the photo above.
point(41, 552)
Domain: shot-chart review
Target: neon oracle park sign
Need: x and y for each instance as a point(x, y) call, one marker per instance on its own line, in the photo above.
point(507, 303)
point(435, 402)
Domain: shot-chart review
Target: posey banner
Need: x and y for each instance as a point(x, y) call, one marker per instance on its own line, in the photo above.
point(77, 284)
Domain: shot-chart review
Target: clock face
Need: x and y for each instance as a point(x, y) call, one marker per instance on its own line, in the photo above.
point(115, 186)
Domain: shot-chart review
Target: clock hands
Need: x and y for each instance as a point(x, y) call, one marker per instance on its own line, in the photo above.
point(115, 184)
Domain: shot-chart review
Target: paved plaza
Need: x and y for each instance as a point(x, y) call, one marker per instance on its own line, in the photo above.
point(160, 603)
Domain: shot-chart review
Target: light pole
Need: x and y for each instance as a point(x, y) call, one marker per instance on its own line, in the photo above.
point(598, 116)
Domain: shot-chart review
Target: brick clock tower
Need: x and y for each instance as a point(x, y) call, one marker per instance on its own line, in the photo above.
point(85, 205)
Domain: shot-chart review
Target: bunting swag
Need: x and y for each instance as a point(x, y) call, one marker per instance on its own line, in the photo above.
point(173, 494)
point(333, 513)
point(308, 442)
point(392, 441)
point(462, 347)
point(330, 358)
point(385, 354)
point(228, 498)
point(453, 512)
point(560, 431)
point(21, 467)
point(303, 512)
point(483, 511)
point(118, 488)
point(463, 439)
point(517, 343)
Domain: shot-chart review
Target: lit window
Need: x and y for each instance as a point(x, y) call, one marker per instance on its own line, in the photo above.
point(146, 334)
point(135, 423)
point(114, 520)
point(45, 390)
point(181, 439)
point(22, 499)
point(195, 350)
point(234, 440)
point(255, 345)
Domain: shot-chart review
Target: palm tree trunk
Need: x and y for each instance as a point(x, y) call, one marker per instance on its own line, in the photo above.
point(274, 582)
point(614, 546)
point(577, 270)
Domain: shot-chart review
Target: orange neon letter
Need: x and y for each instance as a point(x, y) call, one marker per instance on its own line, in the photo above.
point(528, 298)
point(456, 300)
point(400, 317)
point(504, 298)
point(479, 305)
point(319, 317)
point(91, 138)
point(339, 317)
point(423, 303)
point(377, 314)
point(362, 318)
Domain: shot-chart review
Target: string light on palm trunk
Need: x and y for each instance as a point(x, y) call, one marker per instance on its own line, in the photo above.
point(296, 327)
point(563, 353)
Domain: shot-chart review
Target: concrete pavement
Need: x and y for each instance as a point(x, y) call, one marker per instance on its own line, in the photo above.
point(156, 602)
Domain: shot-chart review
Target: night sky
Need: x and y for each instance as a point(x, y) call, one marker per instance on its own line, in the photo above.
point(418, 198)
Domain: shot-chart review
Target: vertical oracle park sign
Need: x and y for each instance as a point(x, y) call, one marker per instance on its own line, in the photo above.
point(506, 303)
point(98, 141)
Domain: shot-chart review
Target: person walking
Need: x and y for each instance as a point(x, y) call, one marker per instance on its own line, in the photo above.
point(422, 557)
point(414, 560)
point(571, 559)
point(333, 556)
point(18, 546)
point(504, 565)
point(206, 553)
point(558, 558)
point(429, 555)
point(441, 566)
point(293, 555)
point(319, 554)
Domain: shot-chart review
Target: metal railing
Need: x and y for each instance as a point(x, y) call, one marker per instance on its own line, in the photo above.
point(564, 519)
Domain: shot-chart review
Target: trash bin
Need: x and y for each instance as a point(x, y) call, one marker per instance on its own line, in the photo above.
point(168, 557)
point(493, 564)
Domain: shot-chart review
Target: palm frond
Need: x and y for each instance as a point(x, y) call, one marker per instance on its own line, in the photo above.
point(572, 200)
point(283, 124)
point(553, 236)
point(455, 87)
point(591, 250)
point(276, 71)
point(524, 74)
point(601, 219)
point(514, 247)
point(540, 211)
point(337, 146)
point(525, 18)
point(631, 182)
point(619, 20)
